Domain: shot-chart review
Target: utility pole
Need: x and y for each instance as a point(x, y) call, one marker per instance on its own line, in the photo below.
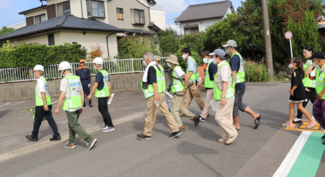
point(267, 38)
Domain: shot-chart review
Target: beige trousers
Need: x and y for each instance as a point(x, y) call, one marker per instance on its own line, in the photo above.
point(178, 105)
point(193, 92)
point(224, 117)
point(207, 105)
point(152, 114)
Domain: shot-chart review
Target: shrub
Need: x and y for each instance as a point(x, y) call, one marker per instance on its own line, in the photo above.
point(194, 42)
point(96, 51)
point(183, 63)
point(256, 72)
point(130, 47)
point(169, 44)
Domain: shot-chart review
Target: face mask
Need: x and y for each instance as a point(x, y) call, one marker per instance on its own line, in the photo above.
point(169, 65)
point(205, 60)
point(290, 66)
point(95, 67)
point(227, 51)
point(144, 63)
point(214, 61)
point(184, 56)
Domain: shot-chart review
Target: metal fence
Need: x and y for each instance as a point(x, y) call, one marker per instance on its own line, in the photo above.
point(115, 66)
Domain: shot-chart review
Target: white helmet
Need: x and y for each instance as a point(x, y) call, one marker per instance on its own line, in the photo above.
point(38, 68)
point(64, 65)
point(98, 60)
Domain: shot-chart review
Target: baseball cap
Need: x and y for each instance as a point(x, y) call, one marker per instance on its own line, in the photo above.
point(81, 61)
point(218, 52)
point(318, 55)
point(230, 43)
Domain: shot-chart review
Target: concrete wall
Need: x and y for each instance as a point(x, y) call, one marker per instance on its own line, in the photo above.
point(26, 90)
point(40, 39)
point(158, 17)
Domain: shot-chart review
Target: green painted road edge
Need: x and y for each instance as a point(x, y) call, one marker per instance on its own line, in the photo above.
point(309, 158)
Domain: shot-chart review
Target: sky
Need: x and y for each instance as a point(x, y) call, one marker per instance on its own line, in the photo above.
point(9, 9)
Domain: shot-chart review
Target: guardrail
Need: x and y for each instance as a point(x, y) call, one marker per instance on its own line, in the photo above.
point(115, 66)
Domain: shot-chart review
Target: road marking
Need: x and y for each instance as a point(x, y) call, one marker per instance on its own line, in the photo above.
point(55, 101)
point(293, 154)
point(44, 144)
point(303, 127)
point(4, 104)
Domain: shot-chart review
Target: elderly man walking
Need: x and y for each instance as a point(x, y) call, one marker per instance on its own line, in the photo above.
point(153, 86)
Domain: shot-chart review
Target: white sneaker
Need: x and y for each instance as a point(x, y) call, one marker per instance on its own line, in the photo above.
point(296, 120)
point(105, 127)
point(108, 129)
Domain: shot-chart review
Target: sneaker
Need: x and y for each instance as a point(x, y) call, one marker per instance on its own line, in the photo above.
point(196, 120)
point(91, 144)
point(231, 139)
point(175, 134)
point(67, 145)
point(108, 129)
point(143, 137)
point(202, 119)
point(297, 120)
point(55, 138)
point(221, 140)
point(182, 128)
point(31, 138)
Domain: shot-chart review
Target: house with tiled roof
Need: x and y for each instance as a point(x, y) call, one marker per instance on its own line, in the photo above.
point(196, 18)
point(86, 22)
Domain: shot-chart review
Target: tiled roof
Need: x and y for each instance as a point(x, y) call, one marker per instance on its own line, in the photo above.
point(66, 21)
point(205, 11)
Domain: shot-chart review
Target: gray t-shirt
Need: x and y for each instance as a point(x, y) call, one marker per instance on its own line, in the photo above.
point(64, 87)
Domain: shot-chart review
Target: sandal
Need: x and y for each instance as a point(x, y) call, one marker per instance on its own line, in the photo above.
point(311, 125)
point(288, 124)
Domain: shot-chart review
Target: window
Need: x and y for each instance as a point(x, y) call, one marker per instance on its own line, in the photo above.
point(97, 9)
point(120, 14)
point(191, 30)
point(51, 39)
point(40, 18)
point(137, 17)
point(64, 8)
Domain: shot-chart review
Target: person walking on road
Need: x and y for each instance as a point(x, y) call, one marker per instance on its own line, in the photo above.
point(102, 90)
point(84, 73)
point(43, 106)
point(297, 92)
point(224, 93)
point(72, 98)
point(157, 59)
point(208, 82)
point(193, 74)
point(238, 71)
point(179, 90)
point(319, 104)
point(309, 81)
point(153, 86)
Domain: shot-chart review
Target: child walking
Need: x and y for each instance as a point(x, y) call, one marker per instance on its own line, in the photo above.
point(297, 92)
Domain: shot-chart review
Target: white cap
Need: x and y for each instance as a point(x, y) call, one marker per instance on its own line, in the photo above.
point(38, 68)
point(64, 65)
point(230, 43)
point(98, 60)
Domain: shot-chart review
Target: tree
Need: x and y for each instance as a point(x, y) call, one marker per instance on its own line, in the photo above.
point(193, 42)
point(169, 44)
point(6, 30)
point(168, 32)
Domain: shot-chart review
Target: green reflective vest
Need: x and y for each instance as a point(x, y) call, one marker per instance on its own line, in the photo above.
point(74, 102)
point(306, 80)
point(320, 84)
point(105, 91)
point(217, 93)
point(38, 99)
point(161, 84)
point(207, 82)
point(240, 76)
point(162, 78)
point(177, 84)
point(194, 76)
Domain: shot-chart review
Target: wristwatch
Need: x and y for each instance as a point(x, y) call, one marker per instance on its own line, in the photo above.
point(223, 96)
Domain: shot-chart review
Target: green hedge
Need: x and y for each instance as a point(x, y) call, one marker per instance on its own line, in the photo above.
point(25, 55)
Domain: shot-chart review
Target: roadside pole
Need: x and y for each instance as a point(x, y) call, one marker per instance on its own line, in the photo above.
point(267, 37)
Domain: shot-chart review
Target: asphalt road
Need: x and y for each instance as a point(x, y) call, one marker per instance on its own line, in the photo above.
point(195, 153)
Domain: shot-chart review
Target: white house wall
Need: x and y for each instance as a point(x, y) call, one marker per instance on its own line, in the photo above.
point(203, 24)
point(158, 17)
point(37, 12)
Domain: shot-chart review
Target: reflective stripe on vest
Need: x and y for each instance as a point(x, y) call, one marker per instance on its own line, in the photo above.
point(39, 100)
point(161, 84)
point(194, 76)
point(74, 102)
point(240, 77)
point(217, 93)
point(105, 91)
point(177, 85)
point(207, 82)
point(306, 80)
point(320, 84)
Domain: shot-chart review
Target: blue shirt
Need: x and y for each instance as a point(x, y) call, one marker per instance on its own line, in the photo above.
point(191, 66)
point(84, 73)
point(234, 65)
point(99, 79)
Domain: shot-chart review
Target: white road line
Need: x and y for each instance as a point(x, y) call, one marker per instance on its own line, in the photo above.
point(292, 156)
point(5, 104)
point(55, 101)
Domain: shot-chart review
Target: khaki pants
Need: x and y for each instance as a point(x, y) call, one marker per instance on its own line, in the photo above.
point(224, 118)
point(193, 92)
point(178, 105)
point(207, 105)
point(152, 114)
